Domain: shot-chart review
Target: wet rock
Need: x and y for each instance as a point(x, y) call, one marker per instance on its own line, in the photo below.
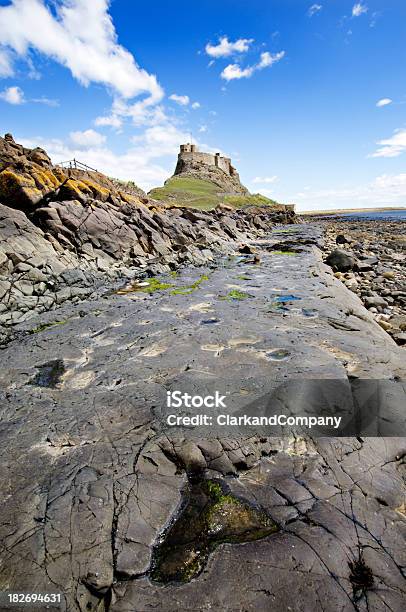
point(340, 261)
point(212, 515)
point(375, 301)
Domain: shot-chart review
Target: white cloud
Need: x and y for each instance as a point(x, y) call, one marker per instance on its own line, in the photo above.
point(384, 190)
point(264, 179)
point(203, 128)
point(109, 120)
point(196, 105)
point(160, 140)
point(88, 139)
point(13, 95)
point(393, 146)
point(374, 18)
point(234, 71)
point(358, 9)
point(225, 48)
point(139, 112)
point(383, 102)
point(315, 8)
point(267, 59)
point(79, 35)
point(141, 162)
point(181, 100)
point(6, 68)
point(46, 101)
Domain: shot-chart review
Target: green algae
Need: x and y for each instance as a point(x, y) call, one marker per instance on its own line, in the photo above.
point(236, 294)
point(188, 289)
point(211, 515)
point(155, 284)
point(292, 230)
point(291, 253)
point(151, 285)
point(44, 326)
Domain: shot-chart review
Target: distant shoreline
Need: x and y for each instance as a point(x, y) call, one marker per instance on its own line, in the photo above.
point(339, 211)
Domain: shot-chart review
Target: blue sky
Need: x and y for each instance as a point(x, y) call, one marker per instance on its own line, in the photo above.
point(309, 99)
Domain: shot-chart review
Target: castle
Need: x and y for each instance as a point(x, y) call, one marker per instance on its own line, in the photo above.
point(189, 154)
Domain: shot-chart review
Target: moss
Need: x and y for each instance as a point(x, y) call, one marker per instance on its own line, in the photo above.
point(213, 489)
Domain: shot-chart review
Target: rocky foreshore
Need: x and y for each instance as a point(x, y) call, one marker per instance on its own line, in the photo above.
point(69, 234)
point(369, 258)
point(102, 500)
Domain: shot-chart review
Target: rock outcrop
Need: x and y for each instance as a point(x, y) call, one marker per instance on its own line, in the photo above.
point(66, 233)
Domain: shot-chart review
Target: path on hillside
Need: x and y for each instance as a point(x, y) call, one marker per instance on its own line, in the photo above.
point(91, 476)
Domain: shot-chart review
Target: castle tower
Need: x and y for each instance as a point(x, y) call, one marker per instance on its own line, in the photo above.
point(188, 148)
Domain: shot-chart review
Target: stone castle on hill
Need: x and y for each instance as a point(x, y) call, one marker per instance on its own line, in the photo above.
point(209, 166)
point(190, 152)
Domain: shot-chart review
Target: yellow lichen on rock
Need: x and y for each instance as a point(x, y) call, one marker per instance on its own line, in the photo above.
point(45, 179)
point(130, 199)
point(99, 192)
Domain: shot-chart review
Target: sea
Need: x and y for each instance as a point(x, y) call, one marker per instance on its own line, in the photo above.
point(375, 215)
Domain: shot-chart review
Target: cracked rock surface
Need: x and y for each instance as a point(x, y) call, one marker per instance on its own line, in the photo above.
point(92, 477)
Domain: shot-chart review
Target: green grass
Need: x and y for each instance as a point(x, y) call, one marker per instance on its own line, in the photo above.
point(256, 199)
point(203, 195)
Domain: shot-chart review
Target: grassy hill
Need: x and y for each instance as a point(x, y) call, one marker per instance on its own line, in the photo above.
point(198, 193)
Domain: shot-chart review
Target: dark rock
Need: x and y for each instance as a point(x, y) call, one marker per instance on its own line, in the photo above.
point(343, 239)
point(340, 261)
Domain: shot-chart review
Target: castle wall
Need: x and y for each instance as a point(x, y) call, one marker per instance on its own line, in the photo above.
point(224, 164)
point(205, 158)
